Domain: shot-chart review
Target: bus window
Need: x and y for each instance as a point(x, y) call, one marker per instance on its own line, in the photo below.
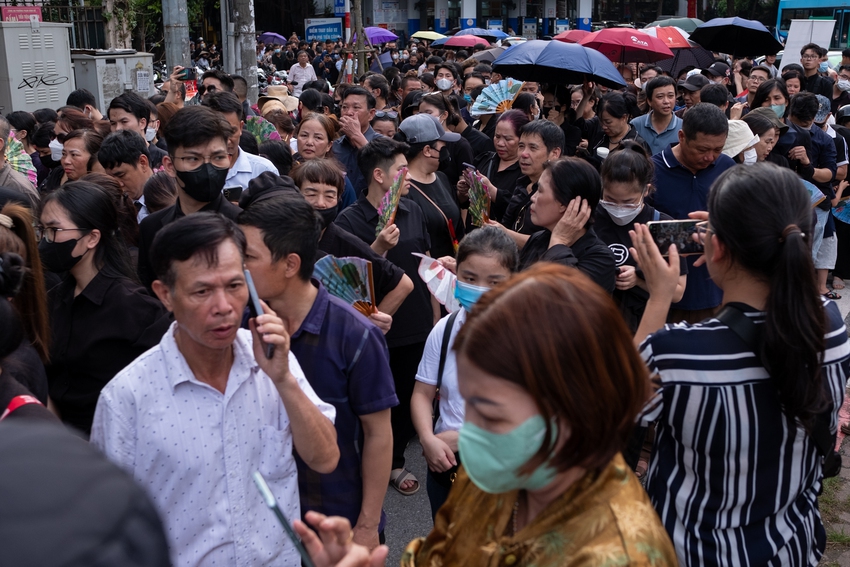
point(842, 29)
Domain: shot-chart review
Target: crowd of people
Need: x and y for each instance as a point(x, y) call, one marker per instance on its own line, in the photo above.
point(582, 397)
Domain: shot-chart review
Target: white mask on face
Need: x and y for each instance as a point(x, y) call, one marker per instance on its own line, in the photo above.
point(150, 134)
point(55, 149)
point(620, 214)
point(750, 156)
point(444, 84)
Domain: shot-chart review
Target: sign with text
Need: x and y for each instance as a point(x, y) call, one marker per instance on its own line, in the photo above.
point(20, 13)
point(529, 28)
point(340, 8)
point(494, 25)
point(321, 29)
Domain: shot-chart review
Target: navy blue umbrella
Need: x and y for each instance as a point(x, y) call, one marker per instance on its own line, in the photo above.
point(736, 36)
point(439, 42)
point(481, 32)
point(557, 62)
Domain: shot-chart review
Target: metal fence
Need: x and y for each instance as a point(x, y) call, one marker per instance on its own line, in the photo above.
point(87, 25)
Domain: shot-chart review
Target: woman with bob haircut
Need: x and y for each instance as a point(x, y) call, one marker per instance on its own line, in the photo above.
point(746, 405)
point(567, 194)
point(315, 137)
point(521, 500)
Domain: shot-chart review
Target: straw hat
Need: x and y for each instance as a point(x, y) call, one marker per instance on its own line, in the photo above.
point(281, 94)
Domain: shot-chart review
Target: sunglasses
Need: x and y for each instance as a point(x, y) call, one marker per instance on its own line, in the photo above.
point(386, 113)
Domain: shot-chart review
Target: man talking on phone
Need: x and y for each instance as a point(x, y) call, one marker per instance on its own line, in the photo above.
point(195, 416)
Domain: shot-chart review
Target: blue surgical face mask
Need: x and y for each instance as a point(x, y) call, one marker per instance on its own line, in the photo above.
point(493, 460)
point(823, 67)
point(779, 109)
point(467, 294)
point(467, 97)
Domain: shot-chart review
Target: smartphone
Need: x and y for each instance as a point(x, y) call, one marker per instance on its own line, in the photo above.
point(232, 193)
point(256, 308)
point(271, 502)
point(470, 166)
point(187, 74)
point(683, 233)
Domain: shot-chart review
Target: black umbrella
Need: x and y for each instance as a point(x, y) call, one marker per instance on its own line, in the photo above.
point(736, 36)
point(696, 56)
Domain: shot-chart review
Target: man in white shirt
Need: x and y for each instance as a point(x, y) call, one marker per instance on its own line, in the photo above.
point(243, 166)
point(194, 417)
point(301, 73)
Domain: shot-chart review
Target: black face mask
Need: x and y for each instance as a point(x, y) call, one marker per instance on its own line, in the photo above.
point(328, 215)
point(445, 156)
point(203, 184)
point(48, 162)
point(56, 256)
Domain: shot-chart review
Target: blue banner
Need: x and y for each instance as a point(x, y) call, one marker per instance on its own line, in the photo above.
point(339, 8)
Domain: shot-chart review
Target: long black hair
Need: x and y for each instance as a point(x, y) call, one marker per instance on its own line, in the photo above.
point(90, 206)
point(775, 246)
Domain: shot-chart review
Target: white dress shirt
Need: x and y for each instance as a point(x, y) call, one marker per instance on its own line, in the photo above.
point(142, 210)
point(194, 449)
point(302, 76)
point(247, 167)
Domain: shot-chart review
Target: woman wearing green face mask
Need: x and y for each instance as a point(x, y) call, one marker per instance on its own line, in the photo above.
point(772, 93)
point(485, 258)
point(552, 386)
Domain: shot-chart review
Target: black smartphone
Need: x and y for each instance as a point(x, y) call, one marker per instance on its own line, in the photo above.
point(256, 308)
point(685, 234)
point(232, 194)
point(187, 74)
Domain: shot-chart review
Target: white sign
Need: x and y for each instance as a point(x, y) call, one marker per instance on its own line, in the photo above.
point(551, 12)
point(143, 81)
point(803, 32)
point(321, 29)
point(469, 22)
point(494, 25)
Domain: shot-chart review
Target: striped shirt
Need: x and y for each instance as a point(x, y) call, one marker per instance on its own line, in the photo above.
point(734, 480)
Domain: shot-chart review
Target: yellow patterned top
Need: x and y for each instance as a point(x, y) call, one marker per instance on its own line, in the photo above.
point(604, 519)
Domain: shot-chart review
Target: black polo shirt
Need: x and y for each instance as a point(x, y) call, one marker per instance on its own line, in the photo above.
point(413, 321)
point(94, 336)
point(151, 224)
point(818, 84)
point(339, 243)
point(517, 215)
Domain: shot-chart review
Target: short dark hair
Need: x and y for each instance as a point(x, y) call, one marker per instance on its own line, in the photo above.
point(804, 106)
point(195, 126)
point(322, 170)
point(434, 60)
point(659, 82)
point(279, 153)
point(225, 79)
point(360, 91)
point(379, 153)
point(490, 241)
point(763, 68)
point(813, 46)
point(317, 85)
point(618, 105)
point(160, 191)
point(290, 226)
point(240, 85)
point(705, 119)
point(758, 124)
point(80, 98)
point(123, 146)
point(43, 115)
point(474, 75)
point(311, 100)
point(482, 68)
point(133, 104)
point(198, 234)
point(379, 82)
point(42, 135)
point(450, 67)
point(248, 143)
point(714, 93)
point(574, 177)
point(658, 70)
point(224, 102)
point(845, 52)
point(549, 132)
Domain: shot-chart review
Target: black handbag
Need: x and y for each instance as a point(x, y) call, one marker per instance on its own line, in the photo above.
point(732, 316)
point(445, 478)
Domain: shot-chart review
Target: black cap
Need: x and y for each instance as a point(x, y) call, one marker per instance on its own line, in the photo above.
point(694, 83)
point(717, 69)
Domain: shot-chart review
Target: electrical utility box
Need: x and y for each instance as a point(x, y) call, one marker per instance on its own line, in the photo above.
point(35, 66)
point(107, 74)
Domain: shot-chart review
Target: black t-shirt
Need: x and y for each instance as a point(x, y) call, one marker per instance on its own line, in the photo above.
point(632, 302)
point(337, 242)
point(461, 152)
point(478, 141)
point(517, 216)
point(413, 321)
point(588, 254)
point(439, 211)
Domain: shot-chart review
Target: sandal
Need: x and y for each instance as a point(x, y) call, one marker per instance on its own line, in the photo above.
point(837, 283)
point(399, 477)
point(831, 295)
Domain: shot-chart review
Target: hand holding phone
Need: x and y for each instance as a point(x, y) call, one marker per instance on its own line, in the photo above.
point(256, 309)
point(685, 234)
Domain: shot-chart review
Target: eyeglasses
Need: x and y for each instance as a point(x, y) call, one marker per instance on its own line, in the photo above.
point(386, 113)
point(221, 161)
point(48, 233)
point(809, 57)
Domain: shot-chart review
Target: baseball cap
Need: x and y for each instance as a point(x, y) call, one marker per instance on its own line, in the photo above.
point(717, 69)
point(824, 108)
point(424, 128)
point(843, 114)
point(768, 113)
point(694, 83)
point(740, 138)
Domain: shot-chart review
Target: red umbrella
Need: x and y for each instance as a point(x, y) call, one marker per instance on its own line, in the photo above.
point(673, 37)
point(626, 45)
point(572, 36)
point(465, 41)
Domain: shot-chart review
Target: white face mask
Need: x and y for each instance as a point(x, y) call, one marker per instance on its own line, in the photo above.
point(843, 85)
point(622, 214)
point(55, 149)
point(750, 156)
point(444, 84)
point(150, 134)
